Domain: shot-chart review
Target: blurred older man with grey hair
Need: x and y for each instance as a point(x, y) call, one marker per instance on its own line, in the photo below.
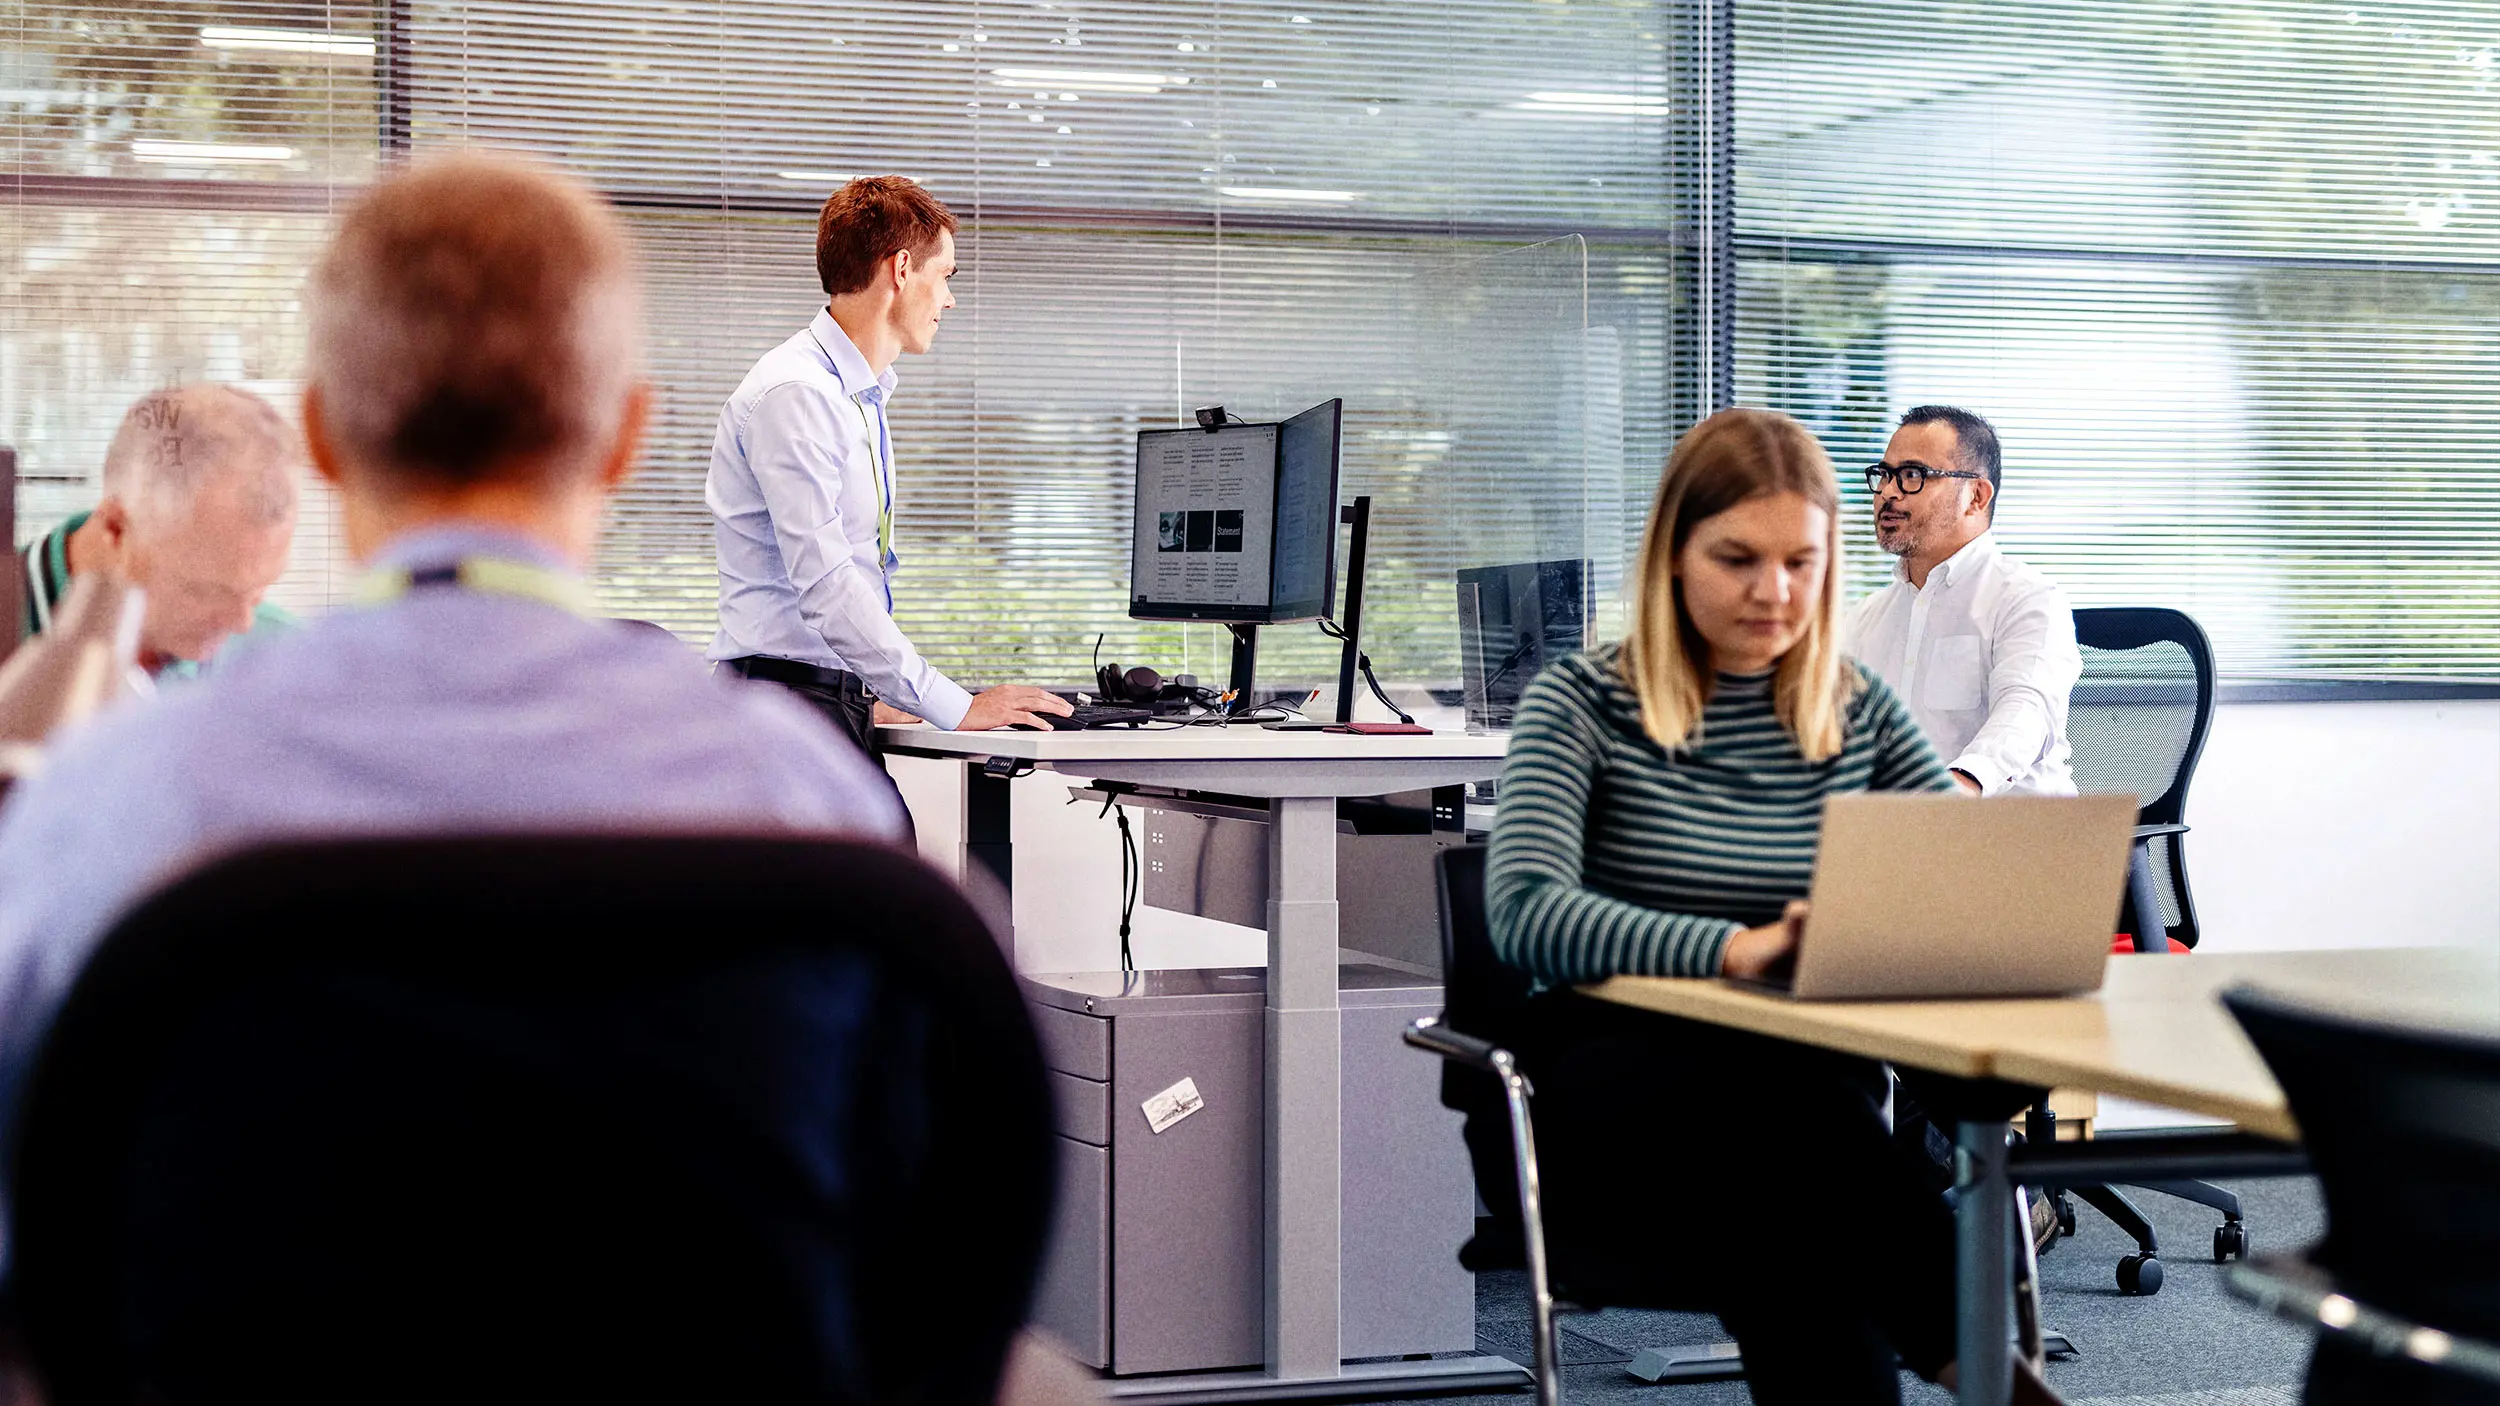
point(198, 512)
point(475, 394)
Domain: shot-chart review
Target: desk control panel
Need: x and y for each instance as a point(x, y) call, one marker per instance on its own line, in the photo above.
point(1157, 1264)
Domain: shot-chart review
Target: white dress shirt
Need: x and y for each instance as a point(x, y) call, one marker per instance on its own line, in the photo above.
point(1985, 656)
point(802, 480)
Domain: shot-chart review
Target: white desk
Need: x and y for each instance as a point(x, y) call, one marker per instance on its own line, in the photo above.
point(1301, 775)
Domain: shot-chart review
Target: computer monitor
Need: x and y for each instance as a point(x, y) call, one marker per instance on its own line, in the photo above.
point(1239, 523)
point(1513, 621)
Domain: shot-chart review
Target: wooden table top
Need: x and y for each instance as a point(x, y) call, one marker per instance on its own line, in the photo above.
point(2155, 1031)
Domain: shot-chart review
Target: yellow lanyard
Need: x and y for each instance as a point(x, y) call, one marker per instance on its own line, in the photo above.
point(499, 576)
point(885, 492)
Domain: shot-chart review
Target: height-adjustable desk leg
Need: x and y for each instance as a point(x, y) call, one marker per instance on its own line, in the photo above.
point(1304, 1069)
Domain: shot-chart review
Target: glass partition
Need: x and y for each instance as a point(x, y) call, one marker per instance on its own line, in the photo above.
point(1483, 418)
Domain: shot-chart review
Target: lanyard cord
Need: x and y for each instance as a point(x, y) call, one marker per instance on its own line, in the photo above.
point(885, 492)
point(877, 459)
point(498, 576)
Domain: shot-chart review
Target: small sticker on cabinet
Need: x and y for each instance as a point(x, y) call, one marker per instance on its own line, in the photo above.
point(1173, 1104)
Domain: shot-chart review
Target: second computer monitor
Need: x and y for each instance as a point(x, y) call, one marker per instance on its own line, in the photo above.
point(1238, 523)
point(1513, 621)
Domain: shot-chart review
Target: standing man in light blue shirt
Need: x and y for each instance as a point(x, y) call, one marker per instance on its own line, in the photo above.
point(802, 481)
point(474, 393)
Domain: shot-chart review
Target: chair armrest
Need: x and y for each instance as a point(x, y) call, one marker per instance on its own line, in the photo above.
point(1430, 1034)
point(2293, 1288)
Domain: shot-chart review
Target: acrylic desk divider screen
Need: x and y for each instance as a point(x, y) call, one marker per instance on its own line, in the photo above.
point(1486, 426)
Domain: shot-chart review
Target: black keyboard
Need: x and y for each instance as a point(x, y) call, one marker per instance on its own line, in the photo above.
point(1097, 715)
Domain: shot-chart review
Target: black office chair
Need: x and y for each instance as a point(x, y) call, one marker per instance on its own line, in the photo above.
point(2403, 1129)
point(1484, 1002)
point(535, 1119)
point(2137, 722)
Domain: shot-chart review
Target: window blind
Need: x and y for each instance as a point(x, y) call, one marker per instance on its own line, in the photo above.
point(1164, 205)
point(171, 173)
point(2222, 275)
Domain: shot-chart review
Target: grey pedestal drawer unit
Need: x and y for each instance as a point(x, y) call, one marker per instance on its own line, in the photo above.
point(1157, 1261)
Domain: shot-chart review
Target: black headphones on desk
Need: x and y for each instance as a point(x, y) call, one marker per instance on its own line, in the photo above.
point(1142, 687)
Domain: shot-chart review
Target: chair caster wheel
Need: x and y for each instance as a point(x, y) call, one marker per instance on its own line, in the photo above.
point(2139, 1275)
point(2065, 1216)
point(2230, 1241)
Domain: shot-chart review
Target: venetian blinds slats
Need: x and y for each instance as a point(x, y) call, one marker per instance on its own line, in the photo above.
point(1165, 205)
point(2224, 276)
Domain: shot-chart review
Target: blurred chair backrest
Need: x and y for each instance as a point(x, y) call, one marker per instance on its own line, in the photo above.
point(536, 1118)
point(2403, 1129)
point(1479, 990)
point(13, 589)
point(2137, 722)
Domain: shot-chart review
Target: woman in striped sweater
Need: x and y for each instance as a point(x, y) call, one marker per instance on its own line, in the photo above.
point(1659, 810)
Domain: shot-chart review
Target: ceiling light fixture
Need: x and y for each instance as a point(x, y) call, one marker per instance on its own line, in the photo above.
point(1319, 197)
point(207, 153)
point(1081, 80)
point(1593, 104)
point(286, 41)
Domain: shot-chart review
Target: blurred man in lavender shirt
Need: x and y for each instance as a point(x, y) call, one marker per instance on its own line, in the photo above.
point(475, 396)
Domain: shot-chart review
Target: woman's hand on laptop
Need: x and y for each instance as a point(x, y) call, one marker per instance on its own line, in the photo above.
point(1756, 952)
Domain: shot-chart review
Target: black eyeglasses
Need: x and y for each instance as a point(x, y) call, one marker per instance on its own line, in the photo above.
point(1912, 476)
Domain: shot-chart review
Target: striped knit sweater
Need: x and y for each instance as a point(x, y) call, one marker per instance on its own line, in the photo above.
point(1611, 855)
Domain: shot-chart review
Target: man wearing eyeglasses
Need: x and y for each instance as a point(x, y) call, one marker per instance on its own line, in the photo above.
point(1981, 646)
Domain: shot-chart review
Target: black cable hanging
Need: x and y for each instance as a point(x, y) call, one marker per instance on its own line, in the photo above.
point(1132, 879)
point(1363, 661)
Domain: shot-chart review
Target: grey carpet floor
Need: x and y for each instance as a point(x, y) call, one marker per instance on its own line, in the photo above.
point(2192, 1344)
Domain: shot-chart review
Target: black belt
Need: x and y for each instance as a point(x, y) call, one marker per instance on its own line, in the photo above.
point(790, 671)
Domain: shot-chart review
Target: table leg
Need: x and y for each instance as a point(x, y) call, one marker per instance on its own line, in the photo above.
point(1983, 1218)
point(989, 805)
point(1304, 1070)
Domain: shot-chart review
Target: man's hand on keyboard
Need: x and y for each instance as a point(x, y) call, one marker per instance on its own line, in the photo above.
point(1011, 705)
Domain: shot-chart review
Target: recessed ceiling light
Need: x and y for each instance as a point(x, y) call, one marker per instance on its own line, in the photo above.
point(287, 41)
point(207, 153)
point(1081, 80)
point(1593, 104)
point(1318, 197)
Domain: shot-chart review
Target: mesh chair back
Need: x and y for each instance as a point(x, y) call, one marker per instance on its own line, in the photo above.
point(536, 1119)
point(2141, 709)
point(2403, 1129)
point(2137, 723)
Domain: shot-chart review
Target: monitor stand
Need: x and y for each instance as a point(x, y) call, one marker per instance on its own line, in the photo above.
point(1245, 665)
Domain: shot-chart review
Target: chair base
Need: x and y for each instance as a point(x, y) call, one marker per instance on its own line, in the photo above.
point(1711, 1362)
point(1720, 1362)
point(1356, 1379)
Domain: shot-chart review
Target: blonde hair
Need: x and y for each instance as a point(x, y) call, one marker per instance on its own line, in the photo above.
point(1731, 457)
point(476, 314)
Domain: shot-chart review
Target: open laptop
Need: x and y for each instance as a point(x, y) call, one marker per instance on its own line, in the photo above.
point(1949, 896)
